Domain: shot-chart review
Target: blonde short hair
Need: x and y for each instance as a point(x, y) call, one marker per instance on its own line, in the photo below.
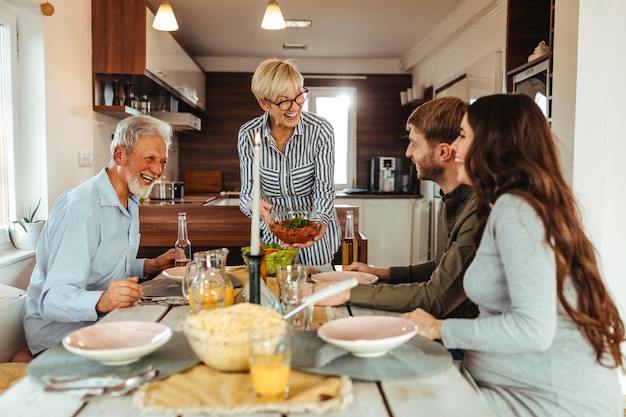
point(275, 77)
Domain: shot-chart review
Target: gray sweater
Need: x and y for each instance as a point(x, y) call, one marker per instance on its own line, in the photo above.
point(524, 353)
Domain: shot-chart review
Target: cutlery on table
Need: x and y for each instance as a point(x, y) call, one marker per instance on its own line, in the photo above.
point(115, 387)
point(90, 379)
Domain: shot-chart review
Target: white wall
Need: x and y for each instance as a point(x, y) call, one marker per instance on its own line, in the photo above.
point(69, 115)
point(599, 144)
point(57, 120)
point(564, 71)
point(444, 57)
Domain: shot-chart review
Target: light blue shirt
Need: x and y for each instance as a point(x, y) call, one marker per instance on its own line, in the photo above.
point(89, 240)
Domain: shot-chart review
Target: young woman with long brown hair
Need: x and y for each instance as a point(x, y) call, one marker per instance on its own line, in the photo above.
point(547, 340)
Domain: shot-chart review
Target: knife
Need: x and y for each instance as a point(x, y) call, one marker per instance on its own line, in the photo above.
point(324, 293)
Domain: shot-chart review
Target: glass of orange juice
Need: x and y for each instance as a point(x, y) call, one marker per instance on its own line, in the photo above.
point(270, 359)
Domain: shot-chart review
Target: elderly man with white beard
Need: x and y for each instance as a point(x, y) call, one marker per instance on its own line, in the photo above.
point(86, 263)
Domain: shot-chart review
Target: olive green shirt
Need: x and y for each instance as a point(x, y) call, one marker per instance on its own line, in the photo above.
point(435, 285)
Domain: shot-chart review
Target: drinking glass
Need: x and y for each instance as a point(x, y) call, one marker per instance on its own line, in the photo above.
point(292, 294)
point(270, 359)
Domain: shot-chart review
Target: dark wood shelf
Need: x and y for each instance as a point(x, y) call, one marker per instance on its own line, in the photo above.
point(529, 64)
point(428, 95)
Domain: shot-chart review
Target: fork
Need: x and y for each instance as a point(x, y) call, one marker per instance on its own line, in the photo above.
point(115, 390)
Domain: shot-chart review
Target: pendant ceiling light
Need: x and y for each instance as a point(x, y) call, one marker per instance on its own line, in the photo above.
point(165, 19)
point(273, 19)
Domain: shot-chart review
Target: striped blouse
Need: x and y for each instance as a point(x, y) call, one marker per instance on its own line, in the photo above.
point(300, 177)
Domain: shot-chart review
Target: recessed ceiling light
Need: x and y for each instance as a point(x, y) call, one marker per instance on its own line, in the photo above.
point(298, 23)
point(294, 45)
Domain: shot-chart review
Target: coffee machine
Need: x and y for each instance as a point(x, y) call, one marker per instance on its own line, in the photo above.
point(385, 174)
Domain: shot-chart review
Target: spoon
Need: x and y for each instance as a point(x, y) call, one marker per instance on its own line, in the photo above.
point(132, 383)
point(322, 294)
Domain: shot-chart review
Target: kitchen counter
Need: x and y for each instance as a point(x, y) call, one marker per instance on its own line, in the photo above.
point(340, 194)
point(218, 223)
point(232, 198)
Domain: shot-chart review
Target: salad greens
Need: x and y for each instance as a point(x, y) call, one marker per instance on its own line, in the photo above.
point(275, 255)
point(296, 222)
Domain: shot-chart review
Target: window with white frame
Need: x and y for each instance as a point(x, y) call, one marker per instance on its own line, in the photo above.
point(7, 54)
point(338, 106)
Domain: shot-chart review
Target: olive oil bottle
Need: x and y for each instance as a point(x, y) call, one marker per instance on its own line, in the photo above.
point(349, 246)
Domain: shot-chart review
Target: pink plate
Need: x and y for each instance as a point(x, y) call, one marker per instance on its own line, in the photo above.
point(367, 336)
point(363, 277)
point(175, 274)
point(117, 343)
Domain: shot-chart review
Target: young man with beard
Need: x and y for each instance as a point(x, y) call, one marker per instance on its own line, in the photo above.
point(87, 254)
point(435, 285)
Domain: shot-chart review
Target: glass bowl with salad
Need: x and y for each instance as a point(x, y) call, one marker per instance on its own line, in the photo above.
point(275, 255)
point(293, 226)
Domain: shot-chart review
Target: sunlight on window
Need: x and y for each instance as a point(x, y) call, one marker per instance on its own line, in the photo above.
point(335, 109)
point(3, 124)
point(337, 106)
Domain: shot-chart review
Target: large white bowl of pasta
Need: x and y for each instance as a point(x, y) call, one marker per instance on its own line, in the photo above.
point(219, 337)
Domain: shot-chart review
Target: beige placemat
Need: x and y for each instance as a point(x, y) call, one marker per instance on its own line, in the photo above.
point(11, 373)
point(204, 390)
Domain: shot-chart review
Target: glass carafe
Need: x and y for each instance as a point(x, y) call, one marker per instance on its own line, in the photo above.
point(208, 266)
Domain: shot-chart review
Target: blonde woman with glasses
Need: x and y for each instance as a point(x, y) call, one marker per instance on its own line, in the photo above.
point(297, 158)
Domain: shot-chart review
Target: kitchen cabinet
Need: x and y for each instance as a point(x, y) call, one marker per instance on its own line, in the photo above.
point(393, 228)
point(529, 22)
point(128, 52)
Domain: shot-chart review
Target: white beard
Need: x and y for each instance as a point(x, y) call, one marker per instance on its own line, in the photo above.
point(138, 189)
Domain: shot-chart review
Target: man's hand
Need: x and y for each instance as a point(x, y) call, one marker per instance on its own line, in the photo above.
point(161, 262)
point(383, 274)
point(335, 300)
point(121, 293)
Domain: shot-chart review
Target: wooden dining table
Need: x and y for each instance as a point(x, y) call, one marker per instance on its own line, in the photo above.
point(445, 393)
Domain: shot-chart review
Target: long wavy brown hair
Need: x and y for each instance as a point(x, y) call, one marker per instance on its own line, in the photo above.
point(513, 151)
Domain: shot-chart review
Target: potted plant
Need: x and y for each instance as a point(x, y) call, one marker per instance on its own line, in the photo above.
point(24, 232)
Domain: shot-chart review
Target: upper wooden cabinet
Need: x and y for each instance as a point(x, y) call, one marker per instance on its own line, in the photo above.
point(118, 30)
point(529, 23)
point(142, 60)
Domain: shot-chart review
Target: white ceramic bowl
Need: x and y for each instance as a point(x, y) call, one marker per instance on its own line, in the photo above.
point(175, 274)
point(335, 276)
point(219, 337)
point(117, 343)
point(367, 336)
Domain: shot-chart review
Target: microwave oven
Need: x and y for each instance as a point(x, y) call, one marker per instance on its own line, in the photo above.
point(534, 82)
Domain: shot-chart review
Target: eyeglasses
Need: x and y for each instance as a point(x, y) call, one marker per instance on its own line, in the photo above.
point(299, 100)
